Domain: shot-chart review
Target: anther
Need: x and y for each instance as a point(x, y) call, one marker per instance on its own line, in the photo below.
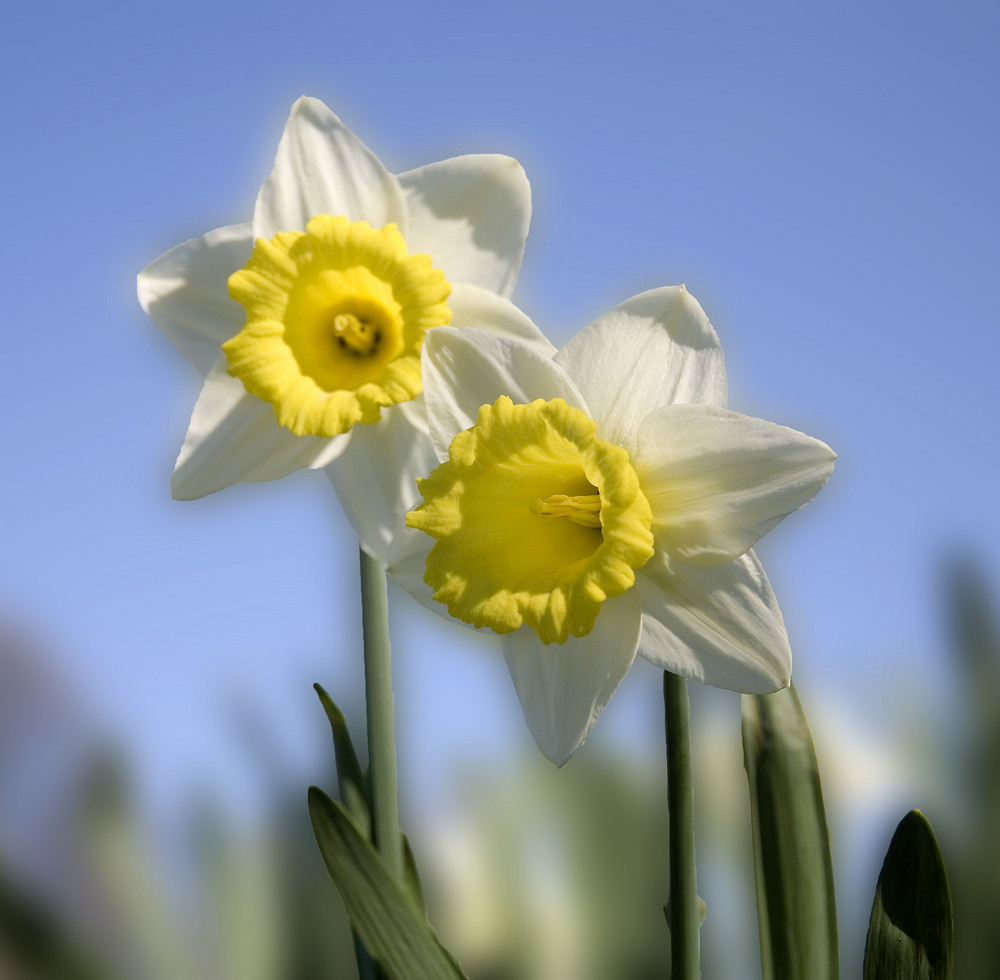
point(356, 333)
point(584, 510)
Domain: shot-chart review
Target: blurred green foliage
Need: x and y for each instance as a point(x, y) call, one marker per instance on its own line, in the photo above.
point(529, 873)
point(551, 874)
point(261, 909)
point(972, 852)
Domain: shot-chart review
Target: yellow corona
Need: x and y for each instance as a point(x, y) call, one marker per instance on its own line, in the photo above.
point(336, 316)
point(536, 520)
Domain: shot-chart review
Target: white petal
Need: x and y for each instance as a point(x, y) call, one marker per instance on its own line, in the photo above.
point(466, 368)
point(655, 349)
point(718, 481)
point(407, 562)
point(564, 689)
point(719, 625)
point(415, 411)
point(322, 168)
point(470, 214)
point(233, 437)
point(376, 478)
point(474, 306)
point(185, 291)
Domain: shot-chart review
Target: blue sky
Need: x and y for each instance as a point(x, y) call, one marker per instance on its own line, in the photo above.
point(824, 182)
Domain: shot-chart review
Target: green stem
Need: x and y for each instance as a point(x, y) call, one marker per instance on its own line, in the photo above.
point(378, 704)
point(685, 918)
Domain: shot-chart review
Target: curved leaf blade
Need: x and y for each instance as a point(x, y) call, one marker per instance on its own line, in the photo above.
point(386, 918)
point(351, 780)
point(793, 872)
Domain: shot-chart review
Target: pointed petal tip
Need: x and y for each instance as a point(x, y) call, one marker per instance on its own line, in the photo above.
point(304, 102)
point(765, 685)
point(501, 160)
point(564, 688)
point(779, 681)
point(180, 489)
point(824, 450)
point(317, 107)
point(559, 754)
point(826, 459)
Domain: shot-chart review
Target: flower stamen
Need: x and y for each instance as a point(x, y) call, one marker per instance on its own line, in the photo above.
point(357, 335)
point(582, 509)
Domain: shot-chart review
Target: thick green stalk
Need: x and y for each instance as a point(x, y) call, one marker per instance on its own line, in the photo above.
point(685, 918)
point(379, 708)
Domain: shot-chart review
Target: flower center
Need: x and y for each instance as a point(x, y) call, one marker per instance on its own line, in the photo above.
point(336, 316)
point(360, 337)
point(501, 557)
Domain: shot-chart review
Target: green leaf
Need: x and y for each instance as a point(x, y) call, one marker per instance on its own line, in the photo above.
point(352, 782)
point(353, 785)
point(793, 873)
point(386, 918)
point(911, 928)
point(411, 874)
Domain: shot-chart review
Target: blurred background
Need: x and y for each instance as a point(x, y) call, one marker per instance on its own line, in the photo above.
point(824, 182)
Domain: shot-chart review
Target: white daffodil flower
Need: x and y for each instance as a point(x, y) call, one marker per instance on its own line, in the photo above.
point(601, 503)
point(306, 322)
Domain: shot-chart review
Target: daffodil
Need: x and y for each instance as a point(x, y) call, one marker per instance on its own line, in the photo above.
point(601, 503)
point(307, 322)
